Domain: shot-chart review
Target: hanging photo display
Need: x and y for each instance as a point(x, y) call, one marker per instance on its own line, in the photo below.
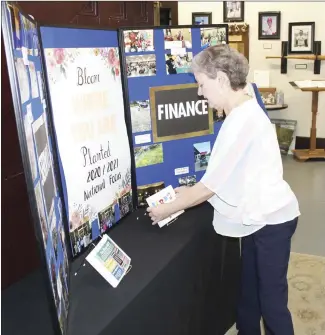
point(96, 164)
point(178, 112)
point(178, 38)
point(22, 46)
point(213, 36)
point(138, 40)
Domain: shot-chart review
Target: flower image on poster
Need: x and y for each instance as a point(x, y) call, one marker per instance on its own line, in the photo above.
point(148, 155)
point(41, 212)
point(140, 116)
point(44, 163)
point(22, 80)
point(178, 38)
point(180, 63)
point(138, 40)
point(141, 66)
point(96, 165)
point(301, 37)
point(33, 80)
point(202, 152)
point(212, 36)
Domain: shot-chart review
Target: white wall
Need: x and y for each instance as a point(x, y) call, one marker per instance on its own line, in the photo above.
point(299, 102)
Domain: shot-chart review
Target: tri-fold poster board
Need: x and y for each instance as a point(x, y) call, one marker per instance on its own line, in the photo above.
point(106, 118)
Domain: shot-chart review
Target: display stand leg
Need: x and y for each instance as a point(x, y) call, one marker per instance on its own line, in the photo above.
point(312, 152)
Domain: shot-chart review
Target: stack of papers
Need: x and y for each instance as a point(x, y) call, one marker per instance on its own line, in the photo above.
point(310, 83)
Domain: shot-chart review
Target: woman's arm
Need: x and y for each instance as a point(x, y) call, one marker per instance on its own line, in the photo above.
point(189, 197)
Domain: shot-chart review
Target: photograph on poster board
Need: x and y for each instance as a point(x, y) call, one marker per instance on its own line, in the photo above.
point(218, 116)
point(202, 152)
point(140, 116)
point(53, 280)
point(180, 63)
point(178, 112)
point(148, 155)
point(145, 191)
point(91, 120)
point(138, 40)
point(141, 65)
point(22, 80)
point(106, 218)
point(178, 38)
point(44, 163)
point(28, 30)
point(33, 80)
point(212, 36)
point(54, 234)
point(81, 237)
point(40, 83)
point(28, 120)
point(41, 212)
point(14, 21)
point(187, 180)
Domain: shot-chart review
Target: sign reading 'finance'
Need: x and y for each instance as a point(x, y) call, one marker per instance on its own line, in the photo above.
point(178, 112)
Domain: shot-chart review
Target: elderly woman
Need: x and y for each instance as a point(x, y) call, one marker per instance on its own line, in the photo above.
point(244, 184)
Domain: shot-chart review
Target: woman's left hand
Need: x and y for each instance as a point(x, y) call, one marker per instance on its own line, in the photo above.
point(159, 213)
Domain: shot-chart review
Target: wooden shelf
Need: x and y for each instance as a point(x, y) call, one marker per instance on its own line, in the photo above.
point(275, 107)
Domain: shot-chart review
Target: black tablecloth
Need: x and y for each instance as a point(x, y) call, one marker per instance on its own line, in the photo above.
point(183, 280)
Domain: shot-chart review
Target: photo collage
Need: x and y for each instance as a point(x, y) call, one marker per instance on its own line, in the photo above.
point(140, 48)
point(30, 83)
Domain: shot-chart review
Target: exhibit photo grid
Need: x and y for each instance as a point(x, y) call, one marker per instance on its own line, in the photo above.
point(173, 129)
point(22, 47)
point(83, 66)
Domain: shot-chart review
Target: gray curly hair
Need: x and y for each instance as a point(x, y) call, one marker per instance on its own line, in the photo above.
point(222, 58)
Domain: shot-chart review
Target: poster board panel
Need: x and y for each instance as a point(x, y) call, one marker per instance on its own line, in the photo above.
point(21, 40)
point(158, 58)
point(87, 104)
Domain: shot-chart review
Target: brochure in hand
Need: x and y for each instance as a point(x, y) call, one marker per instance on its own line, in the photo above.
point(164, 196)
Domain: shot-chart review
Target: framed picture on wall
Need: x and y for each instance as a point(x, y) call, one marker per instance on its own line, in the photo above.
point(233, 11)
point(269, 25)
point(301, 37)
point(201, 19)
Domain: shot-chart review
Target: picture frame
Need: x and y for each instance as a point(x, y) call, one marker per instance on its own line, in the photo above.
point(268, 95)
point(269, 25)
point(201, 18)
point(301, 38)
point(233, 11)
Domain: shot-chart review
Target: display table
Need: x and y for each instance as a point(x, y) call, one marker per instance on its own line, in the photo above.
point(184, 280)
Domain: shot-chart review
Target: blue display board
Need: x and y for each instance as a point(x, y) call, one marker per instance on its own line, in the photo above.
point(30, 102)
point(87, 108)
point(142, 49)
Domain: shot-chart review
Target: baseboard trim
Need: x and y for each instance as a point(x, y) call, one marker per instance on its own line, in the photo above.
point(304, 142)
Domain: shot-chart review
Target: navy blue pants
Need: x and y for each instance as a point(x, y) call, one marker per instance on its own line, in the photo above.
point(264, 286)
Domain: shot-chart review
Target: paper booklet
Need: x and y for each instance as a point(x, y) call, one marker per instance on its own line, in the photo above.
point(109, 260)
point(162, 197)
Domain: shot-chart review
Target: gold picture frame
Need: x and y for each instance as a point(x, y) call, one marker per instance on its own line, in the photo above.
point(155, 136)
